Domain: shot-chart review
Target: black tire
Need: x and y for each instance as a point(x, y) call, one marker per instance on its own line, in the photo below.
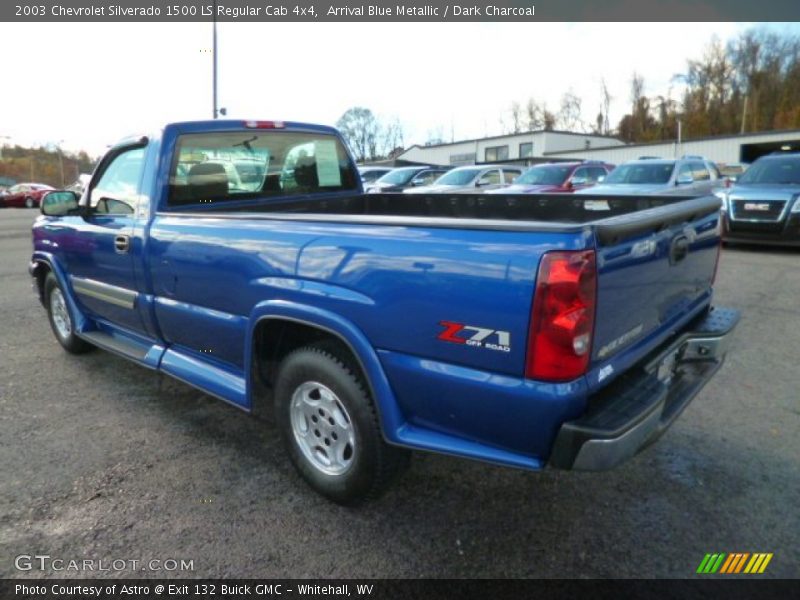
point(67, 338)
point(30, 203)
point(373, 463)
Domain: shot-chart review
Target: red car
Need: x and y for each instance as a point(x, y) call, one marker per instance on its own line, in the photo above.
point(558, 177)
point(27, 195)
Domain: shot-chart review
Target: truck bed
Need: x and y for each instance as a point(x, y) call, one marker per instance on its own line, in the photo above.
point(612, 218)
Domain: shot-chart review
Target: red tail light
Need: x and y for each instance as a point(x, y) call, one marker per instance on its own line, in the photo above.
point(562, 319)
point(264, 124)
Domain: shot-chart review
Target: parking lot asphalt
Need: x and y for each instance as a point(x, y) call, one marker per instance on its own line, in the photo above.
point(104, 460)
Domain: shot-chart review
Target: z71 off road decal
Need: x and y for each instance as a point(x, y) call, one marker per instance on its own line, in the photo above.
point(479, 337)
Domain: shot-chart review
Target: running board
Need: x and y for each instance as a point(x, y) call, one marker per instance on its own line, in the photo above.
point(147, 354)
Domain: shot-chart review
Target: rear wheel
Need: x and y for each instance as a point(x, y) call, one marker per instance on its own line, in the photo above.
point(60, 318)
point(29, 203)
point(330, 427)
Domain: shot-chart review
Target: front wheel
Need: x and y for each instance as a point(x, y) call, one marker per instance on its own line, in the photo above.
point(330, 427)
point(29, 203)
point(60, 319)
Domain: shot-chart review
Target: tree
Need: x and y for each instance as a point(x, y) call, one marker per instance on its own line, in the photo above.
point(569, 114)
point(361, 130)
point(392, 138)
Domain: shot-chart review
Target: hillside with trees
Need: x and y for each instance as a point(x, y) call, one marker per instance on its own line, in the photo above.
point(752, 83)
point(44, 165)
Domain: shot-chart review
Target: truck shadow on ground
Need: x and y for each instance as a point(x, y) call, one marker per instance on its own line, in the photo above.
point(444, 516)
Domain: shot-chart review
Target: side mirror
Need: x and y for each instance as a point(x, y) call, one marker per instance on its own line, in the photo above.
point(59, 203)
point(416, 182)
point(482, 182)
point(684, 180)
point(601, 179)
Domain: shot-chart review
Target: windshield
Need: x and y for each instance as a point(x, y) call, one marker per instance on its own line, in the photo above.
point(458, 177)
point(372, 175)
point(779, 171)
point(641, 173)
point(398, 176)
point(544, 176)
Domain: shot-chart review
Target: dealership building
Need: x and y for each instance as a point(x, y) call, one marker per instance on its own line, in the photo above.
point(527, 148)
point(553, 146)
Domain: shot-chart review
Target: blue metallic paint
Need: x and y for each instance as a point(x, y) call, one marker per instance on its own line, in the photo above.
point(382, 290)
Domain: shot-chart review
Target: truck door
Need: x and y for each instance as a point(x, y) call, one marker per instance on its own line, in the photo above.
point(100, 254)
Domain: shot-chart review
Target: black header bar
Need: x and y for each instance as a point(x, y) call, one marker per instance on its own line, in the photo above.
point(402, 10)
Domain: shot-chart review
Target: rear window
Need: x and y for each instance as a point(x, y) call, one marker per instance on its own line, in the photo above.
point(216, 167)
point(641, 173)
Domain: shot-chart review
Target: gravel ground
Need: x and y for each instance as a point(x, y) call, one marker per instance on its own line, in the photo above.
point(102, 459)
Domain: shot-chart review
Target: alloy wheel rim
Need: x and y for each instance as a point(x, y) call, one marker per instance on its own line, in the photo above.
point(322, 428)
point(58, 308)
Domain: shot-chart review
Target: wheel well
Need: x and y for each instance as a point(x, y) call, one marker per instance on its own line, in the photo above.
point(274, 339)
point(40, 274)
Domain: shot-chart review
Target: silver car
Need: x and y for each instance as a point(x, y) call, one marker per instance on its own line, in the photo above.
point(687, 176)
point(470, 179)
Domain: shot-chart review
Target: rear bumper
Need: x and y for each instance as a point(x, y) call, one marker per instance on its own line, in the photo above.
point(636, 409)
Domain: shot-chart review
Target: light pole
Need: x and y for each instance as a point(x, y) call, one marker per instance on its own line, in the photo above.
point(2, 144)
point(214, 57)
point(60, 160)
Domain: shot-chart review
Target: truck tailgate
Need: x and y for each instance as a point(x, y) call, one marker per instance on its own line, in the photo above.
point(655, 270)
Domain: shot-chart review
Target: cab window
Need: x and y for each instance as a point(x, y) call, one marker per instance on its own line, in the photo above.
point(209, 168)
point(118, 188)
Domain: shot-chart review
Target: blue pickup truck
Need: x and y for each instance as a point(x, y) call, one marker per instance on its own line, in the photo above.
point(243, 258)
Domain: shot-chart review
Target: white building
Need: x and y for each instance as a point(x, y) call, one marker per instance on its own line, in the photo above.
point(529, 147)
point(745, 147)
point(543, 146)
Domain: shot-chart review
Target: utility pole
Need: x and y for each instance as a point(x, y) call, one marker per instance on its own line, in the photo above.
point(3, 143)
point(744, 113)
point(214, 58)
point(60, 160)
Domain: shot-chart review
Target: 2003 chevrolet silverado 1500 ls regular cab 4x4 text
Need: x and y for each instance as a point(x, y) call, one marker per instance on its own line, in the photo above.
point(244, 259)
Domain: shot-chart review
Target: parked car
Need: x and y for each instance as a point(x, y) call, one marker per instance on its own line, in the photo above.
point(369, 174)
point(470, 179)
point(402, 178)
point(764, 205)
point(732, 171)
point(557, 178)
point(516, 336)
point(79, 184)
point(681, 177)
point(27, 195)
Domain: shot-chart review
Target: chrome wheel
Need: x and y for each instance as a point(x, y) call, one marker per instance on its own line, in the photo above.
point(29, 202)
point(58, 308)
point(322, 428)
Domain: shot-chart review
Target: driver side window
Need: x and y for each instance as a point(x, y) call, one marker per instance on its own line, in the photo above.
point(118, 189)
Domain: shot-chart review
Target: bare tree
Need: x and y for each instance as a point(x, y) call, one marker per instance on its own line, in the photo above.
point(516, 117)
point(604, 123)
point(569, 114)
point(393, 137)
point(360, 129)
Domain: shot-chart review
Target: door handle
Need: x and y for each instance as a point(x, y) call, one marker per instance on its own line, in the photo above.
point(122, 243)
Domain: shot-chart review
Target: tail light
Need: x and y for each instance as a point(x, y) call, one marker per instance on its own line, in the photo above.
point(562, 319)
point(264, 124)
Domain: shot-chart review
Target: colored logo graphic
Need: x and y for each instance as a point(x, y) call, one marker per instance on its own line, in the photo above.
point(738, 562)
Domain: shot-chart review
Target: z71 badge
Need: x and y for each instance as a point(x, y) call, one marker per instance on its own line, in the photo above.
point(478, 337)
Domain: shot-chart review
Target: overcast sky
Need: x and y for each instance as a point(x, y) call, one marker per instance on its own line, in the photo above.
point(90, 84)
